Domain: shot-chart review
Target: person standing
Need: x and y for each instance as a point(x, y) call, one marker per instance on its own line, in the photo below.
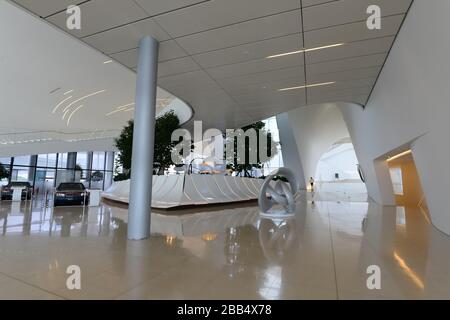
point(311, 182)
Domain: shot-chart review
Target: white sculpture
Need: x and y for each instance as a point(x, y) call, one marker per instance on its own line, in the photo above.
point(280, 193)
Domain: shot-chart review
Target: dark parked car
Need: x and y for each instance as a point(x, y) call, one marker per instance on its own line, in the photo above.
point(71, 193)
point(7, 191)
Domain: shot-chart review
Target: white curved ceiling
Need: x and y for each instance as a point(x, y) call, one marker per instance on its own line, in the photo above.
point(213, 52)
point(57, 93)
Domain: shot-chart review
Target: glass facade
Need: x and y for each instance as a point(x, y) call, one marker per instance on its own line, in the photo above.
point(277, 161)
point(44, 171)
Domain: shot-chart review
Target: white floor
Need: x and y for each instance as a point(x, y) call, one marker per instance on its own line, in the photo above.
point(224, 252)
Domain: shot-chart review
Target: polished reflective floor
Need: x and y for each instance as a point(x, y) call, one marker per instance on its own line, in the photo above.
point(224, 253)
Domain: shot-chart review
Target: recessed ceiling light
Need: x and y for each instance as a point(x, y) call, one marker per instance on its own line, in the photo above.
point(399, 155)
point(73, 112)
point(107, 61)
point(59, 104)
point(308, 86)
point(304, 50)
point(54, 90)
point(82, 98)
point(120, 108)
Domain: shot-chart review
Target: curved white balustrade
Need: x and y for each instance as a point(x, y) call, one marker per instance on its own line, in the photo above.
point(185, 190)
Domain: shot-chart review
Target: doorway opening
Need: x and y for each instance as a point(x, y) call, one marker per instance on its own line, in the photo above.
point(406, 182)
point(337, 172)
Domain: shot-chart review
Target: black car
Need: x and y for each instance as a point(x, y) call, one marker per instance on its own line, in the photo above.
point(71, 193)
point(7, 191)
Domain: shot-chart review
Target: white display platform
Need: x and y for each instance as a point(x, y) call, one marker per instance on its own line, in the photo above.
point(94, 197)
point(17, 194)
point(185, 190)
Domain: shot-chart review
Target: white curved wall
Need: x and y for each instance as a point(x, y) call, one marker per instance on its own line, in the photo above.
point(315, 129)
point(409, 107)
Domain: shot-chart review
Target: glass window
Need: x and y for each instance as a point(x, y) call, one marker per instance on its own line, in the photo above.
point(62, 160)
point(46, 160)
point(109, 161)
point(5, 161)
point(65, 175)
point(4, 174)
point(397, 181)
point(98, 160)
point(82, 160)
point(22, 161)
point(21, 174)
point(108, 179)
point(97, 178)
point(84, 178)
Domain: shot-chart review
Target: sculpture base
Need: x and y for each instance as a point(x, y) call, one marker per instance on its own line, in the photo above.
point(277, 214)
point(191, 190)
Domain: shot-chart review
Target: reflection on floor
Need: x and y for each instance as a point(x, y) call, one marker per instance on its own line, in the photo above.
point(322, 253)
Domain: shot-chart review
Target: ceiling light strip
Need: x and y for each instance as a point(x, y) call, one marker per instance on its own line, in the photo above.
point(399, 155)
point(308, 86)
point(120, 108)
point(304, 50)
point(73, 112)
point(59, 104)
point(82, 98)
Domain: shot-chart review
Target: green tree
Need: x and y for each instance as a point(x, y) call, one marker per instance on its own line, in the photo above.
point(164, 126)
point(4, 173)
point(244, 165)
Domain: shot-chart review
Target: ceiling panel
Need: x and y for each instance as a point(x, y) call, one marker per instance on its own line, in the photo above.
point(255, 66)
point(352, 49)
point(352, 32)
point(126, 37)
point(251, 51)
point(261, 77)
point(100, 15)
point(176, 66)
point(215, 14)
point(266, 86)
point(45, 8)
point(308, 3)
point(241, 33)
point(354, 99)
point(350, 84)
point(334, 92)
point(349, 75)
point(272, 97)
point(346, 64)
point(346, 11)
point(155, 7)
point(168, 50)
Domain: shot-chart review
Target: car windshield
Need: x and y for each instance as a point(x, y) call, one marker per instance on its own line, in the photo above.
point(71, 186)
point(19, 184)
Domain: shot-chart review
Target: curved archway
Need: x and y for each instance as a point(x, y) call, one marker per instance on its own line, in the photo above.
point(337, 170)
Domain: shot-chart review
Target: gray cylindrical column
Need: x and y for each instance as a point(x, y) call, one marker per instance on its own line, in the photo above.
point(143, 141)
point(71, 164)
